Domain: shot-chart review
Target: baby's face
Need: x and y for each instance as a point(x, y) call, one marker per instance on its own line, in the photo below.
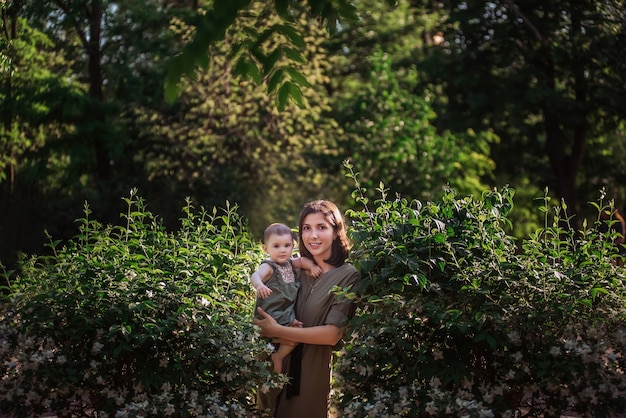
point(279, 248)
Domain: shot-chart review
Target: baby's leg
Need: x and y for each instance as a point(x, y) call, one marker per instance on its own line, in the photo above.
point(279, 355)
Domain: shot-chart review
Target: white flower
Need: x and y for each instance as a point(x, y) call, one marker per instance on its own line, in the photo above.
point(515, 337)
point(169, 410)
point(569, 344)
point(486, 413)
point(431, 408)
point(96, 348)
point(435, 382)
point(555, 351)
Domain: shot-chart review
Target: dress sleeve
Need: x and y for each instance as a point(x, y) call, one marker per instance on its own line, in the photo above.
point(342, 309)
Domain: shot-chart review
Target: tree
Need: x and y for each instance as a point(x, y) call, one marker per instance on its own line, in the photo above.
point(56, 114)
point(545, 76)
point(224, 138)
point(217, 16)
point(98, 37)
point(392, 138)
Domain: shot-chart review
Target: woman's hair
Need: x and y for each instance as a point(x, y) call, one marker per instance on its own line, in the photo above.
point(276, 229)
point(341, 243)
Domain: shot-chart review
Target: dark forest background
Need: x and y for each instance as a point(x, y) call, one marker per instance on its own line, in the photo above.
point(418, 96)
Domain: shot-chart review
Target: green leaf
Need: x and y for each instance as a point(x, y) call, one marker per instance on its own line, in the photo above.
point(292, 34)
point(275, 80)
point(283, 96)
point(295, 93)
point(282, 8)
point(294, 55)
point(247, 69)
point(297, 77)
point(270, 60)
point(598, 290)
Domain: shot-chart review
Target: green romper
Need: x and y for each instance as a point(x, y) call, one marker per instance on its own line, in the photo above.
point(280, 303)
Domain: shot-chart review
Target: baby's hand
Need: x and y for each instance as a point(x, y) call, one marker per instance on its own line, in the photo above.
point(316, 271)
point(296, 324)
point(263, 291)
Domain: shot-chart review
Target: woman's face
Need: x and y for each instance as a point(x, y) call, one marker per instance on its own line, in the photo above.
point(317, 236)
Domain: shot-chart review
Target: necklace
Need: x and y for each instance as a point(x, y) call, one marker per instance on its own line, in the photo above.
point(316, 282)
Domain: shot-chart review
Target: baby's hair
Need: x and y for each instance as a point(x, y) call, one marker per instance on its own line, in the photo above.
point(276, 229)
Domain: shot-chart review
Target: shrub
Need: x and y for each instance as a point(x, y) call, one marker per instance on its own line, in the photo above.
point(456, 320)
point(135, 321)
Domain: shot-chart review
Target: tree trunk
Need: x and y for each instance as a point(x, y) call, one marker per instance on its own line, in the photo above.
point(565, 167)
point(103, 160)
point(10, 22)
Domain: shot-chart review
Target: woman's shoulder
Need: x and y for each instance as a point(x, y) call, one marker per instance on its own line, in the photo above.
point(347, 272)
point(347, 267)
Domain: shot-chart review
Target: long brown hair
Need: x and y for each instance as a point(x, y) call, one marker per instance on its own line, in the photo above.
point(341, 243)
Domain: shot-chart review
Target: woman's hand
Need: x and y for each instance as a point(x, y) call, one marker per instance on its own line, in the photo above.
point(268, 325)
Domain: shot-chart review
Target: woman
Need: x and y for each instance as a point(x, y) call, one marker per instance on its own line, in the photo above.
point(324, 316)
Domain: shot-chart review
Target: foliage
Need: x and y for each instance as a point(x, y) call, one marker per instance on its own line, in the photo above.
point(548, 78)
point(604, 168)
point(392, 138)
point(135, 321)
point(218, 16)
point(30, 94)
point(224, 138)
point(455, 320)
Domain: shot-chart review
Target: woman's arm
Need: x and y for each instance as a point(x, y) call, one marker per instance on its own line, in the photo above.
point(320, 335)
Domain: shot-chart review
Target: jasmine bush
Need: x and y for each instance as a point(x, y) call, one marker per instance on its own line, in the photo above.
point(456, 319)
point(135, 321)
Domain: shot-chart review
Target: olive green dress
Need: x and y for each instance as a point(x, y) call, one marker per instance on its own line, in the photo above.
point(316, 305)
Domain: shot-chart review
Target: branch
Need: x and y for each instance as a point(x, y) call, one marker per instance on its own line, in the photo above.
point(526, 21)
point(66, 9)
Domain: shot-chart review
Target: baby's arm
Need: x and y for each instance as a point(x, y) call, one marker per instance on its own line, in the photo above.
point(258, 279)
point(307, 264)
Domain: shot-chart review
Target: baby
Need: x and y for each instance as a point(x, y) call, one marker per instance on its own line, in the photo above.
point(276, 285)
